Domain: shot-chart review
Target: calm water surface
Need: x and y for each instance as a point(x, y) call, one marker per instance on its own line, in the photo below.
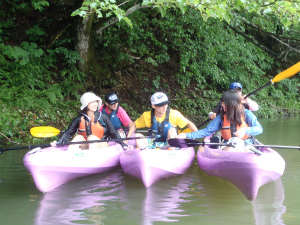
point(194, 198)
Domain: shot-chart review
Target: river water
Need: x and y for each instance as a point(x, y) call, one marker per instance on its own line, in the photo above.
point(193, 198)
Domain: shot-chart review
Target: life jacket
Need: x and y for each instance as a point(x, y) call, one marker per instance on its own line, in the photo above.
point(115, 120)
point(86, 128)
point(161, 128)
point(229, 128)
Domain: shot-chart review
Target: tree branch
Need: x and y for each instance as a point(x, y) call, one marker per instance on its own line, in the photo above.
point(268, 34)
point(9, 139)
point(253, 40)
point(114, 20)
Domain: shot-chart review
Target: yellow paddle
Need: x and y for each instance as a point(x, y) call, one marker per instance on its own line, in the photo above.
point(281, 76)
point(44, 131)
point(47, 131)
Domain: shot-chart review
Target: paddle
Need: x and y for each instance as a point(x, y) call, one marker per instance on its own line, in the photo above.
point(47, 131)
point(44, 131)
point(281, 76)
point(73, 143)
point(184, 143)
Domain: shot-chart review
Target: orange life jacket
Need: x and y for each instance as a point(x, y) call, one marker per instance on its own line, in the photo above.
point(96, 128)
point(226, 131)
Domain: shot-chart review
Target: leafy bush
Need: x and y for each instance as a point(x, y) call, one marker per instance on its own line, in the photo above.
point(32, 92)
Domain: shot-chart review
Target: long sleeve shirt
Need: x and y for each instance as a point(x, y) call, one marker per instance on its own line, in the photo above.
point(254, 127)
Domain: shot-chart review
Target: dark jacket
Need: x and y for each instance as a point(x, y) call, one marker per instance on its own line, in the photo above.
point(103, 120)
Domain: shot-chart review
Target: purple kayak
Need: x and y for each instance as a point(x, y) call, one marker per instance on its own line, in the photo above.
point(152, 165)
point(245, 170)
point(54, 166)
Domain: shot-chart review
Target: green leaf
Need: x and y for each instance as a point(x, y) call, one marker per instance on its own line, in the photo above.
point(119, 16)
point(267, 11)
point(128, 21)
point(163, 11)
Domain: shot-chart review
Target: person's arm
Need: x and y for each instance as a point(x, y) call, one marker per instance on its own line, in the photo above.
point(255, 127)
point(252, 105)
point(129, 125)
point(212, 127)
point(192, 126)
point(213, 114)
point(111, 131)
point(132, 129)
point(69, 133)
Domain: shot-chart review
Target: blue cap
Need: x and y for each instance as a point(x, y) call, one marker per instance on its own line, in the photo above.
point(235, 85)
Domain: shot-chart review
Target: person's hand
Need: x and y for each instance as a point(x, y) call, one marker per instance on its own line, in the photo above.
point(53, 143)
point(240, 133)
point(213, 116)
point(125, 142)
point(181, 136)
point(244, 100)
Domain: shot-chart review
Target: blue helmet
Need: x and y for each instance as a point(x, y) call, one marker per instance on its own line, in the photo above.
point(235, 85)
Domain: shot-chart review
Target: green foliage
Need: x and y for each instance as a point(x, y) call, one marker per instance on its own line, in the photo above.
point(287, 12)
point(35, 33)
point(28, 83)
point(39, 4)
point(185, 48)
point(209, 53)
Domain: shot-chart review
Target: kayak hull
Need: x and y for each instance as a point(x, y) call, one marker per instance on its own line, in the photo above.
point(54, 166)
point(153, 165)
point(245, 170)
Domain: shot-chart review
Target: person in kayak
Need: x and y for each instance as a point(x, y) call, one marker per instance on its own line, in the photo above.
point(247, 102)
point(90, 124)
point(161, 120)
point(117, 115)
point(234, 121)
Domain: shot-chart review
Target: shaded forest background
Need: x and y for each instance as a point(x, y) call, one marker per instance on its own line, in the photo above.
point(191, 58)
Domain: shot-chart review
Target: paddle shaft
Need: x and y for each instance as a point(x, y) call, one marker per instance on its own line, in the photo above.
point(278, 146)
point(193, 143)
point(73, 143)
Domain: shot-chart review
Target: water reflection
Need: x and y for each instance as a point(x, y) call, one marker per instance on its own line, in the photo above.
point(160, 202)
point(92, 200)
point(224, 202)
point(80, 201)
point(268, 208)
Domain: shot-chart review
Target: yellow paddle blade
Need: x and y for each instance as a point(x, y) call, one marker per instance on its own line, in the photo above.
point(44, 131)
point(287, 73)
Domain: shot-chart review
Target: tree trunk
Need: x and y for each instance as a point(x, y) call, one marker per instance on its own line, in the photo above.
point(85, 46)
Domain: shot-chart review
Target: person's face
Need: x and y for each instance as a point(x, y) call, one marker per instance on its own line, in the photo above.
point(112, 107)
point(93, 106)
point(160, 109)
point(240, 91)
